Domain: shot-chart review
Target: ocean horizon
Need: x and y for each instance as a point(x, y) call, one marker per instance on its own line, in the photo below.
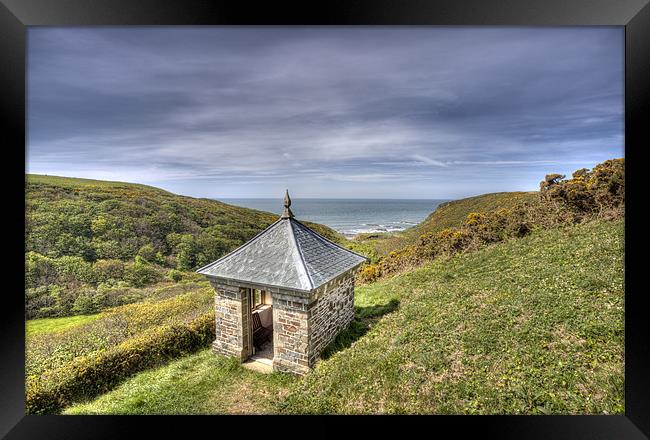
point(350, 216)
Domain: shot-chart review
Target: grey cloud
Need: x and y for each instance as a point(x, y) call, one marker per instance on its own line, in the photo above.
point(324, 109)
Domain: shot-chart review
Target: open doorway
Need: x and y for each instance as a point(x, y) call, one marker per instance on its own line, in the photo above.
point(262, 325)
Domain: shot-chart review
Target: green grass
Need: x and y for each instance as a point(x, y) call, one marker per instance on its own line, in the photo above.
point(54, 325)
point(76, 182)
point(198, 384)
point(527, 326)
point(446, 215)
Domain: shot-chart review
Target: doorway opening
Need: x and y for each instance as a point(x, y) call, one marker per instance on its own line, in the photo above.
point(261, 326)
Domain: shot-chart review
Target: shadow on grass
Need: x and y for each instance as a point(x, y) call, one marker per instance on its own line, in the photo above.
point(364, 319)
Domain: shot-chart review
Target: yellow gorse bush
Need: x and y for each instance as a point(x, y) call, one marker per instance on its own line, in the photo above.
point(586, 195)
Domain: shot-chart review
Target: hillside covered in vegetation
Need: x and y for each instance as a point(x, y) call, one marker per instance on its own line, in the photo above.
point(527, 326)
point(586, 195)
point(512, 310)
point(446, 215)
point(94, 244)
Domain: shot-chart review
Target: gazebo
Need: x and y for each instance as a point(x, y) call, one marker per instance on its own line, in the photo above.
point(283, 296)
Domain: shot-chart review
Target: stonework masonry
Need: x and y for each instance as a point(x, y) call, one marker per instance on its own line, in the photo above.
point(311, 283)
point(232, 326)
point(302, 330)
point(290, 340)
point(330, 313)
point(303, 325)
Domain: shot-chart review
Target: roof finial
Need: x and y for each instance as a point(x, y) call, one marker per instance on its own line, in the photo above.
point(287, 202)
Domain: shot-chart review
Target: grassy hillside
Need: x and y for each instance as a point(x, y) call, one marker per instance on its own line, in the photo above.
point(530, 325)
point(447, 215)
point(94, 244)
point(35, 327)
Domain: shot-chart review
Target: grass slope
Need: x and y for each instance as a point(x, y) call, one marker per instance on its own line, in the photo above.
point(532, 325)
point(198, 384)
point(35, 327)
point(447, 215)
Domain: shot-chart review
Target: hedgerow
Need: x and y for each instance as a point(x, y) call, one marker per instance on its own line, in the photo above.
point(599, 193)
point(174, 304)
point(88, 376)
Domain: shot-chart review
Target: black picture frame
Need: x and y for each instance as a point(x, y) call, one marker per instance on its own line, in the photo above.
point(17, 15)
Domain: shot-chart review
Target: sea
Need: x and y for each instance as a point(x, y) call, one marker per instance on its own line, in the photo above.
point(351, 216)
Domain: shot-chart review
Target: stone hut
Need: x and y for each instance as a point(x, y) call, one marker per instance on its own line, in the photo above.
point(298, 283)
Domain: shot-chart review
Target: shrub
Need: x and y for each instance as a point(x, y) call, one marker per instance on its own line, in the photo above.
point(107, 249)
point(96, 373)
point(43, 301)
point(368, 273)
point(174, 275)
point(599, 191)
point(73, 245)
point(186, 253)
point(149, 253)
point(72, 269)
point(140, 273)
point(108, 270)
point(549, 181)
point(100, 225)
point(39, 270)
point(607, 181)
point(88, 302)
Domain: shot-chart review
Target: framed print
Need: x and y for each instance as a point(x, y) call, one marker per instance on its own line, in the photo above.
point(351, 208)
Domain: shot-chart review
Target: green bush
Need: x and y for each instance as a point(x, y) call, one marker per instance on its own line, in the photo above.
point(108, 270)
point(39, 270)
point(88, 302)
point(185, 252)
point(149, 253)
point(71, 268)
point(90, 375)
point(108, 249)
point(174, 275)
point(43, 301)
point(140, 273)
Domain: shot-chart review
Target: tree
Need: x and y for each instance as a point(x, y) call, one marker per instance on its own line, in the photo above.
point(186, 253)
point(140, 273)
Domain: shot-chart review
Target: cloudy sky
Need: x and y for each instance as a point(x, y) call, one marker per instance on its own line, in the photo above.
point(405, 112)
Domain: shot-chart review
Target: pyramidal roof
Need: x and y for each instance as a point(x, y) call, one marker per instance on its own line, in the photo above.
point(286, 254)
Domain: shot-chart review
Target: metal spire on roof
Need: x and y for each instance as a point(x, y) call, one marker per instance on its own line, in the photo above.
point(287, 202)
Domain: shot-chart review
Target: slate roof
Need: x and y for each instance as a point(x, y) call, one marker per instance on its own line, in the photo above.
point(286, 254)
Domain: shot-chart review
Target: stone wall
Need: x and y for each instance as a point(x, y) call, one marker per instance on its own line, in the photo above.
point(303, 325)
point(332, 312)
point(232, 326)
point(290, 334)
